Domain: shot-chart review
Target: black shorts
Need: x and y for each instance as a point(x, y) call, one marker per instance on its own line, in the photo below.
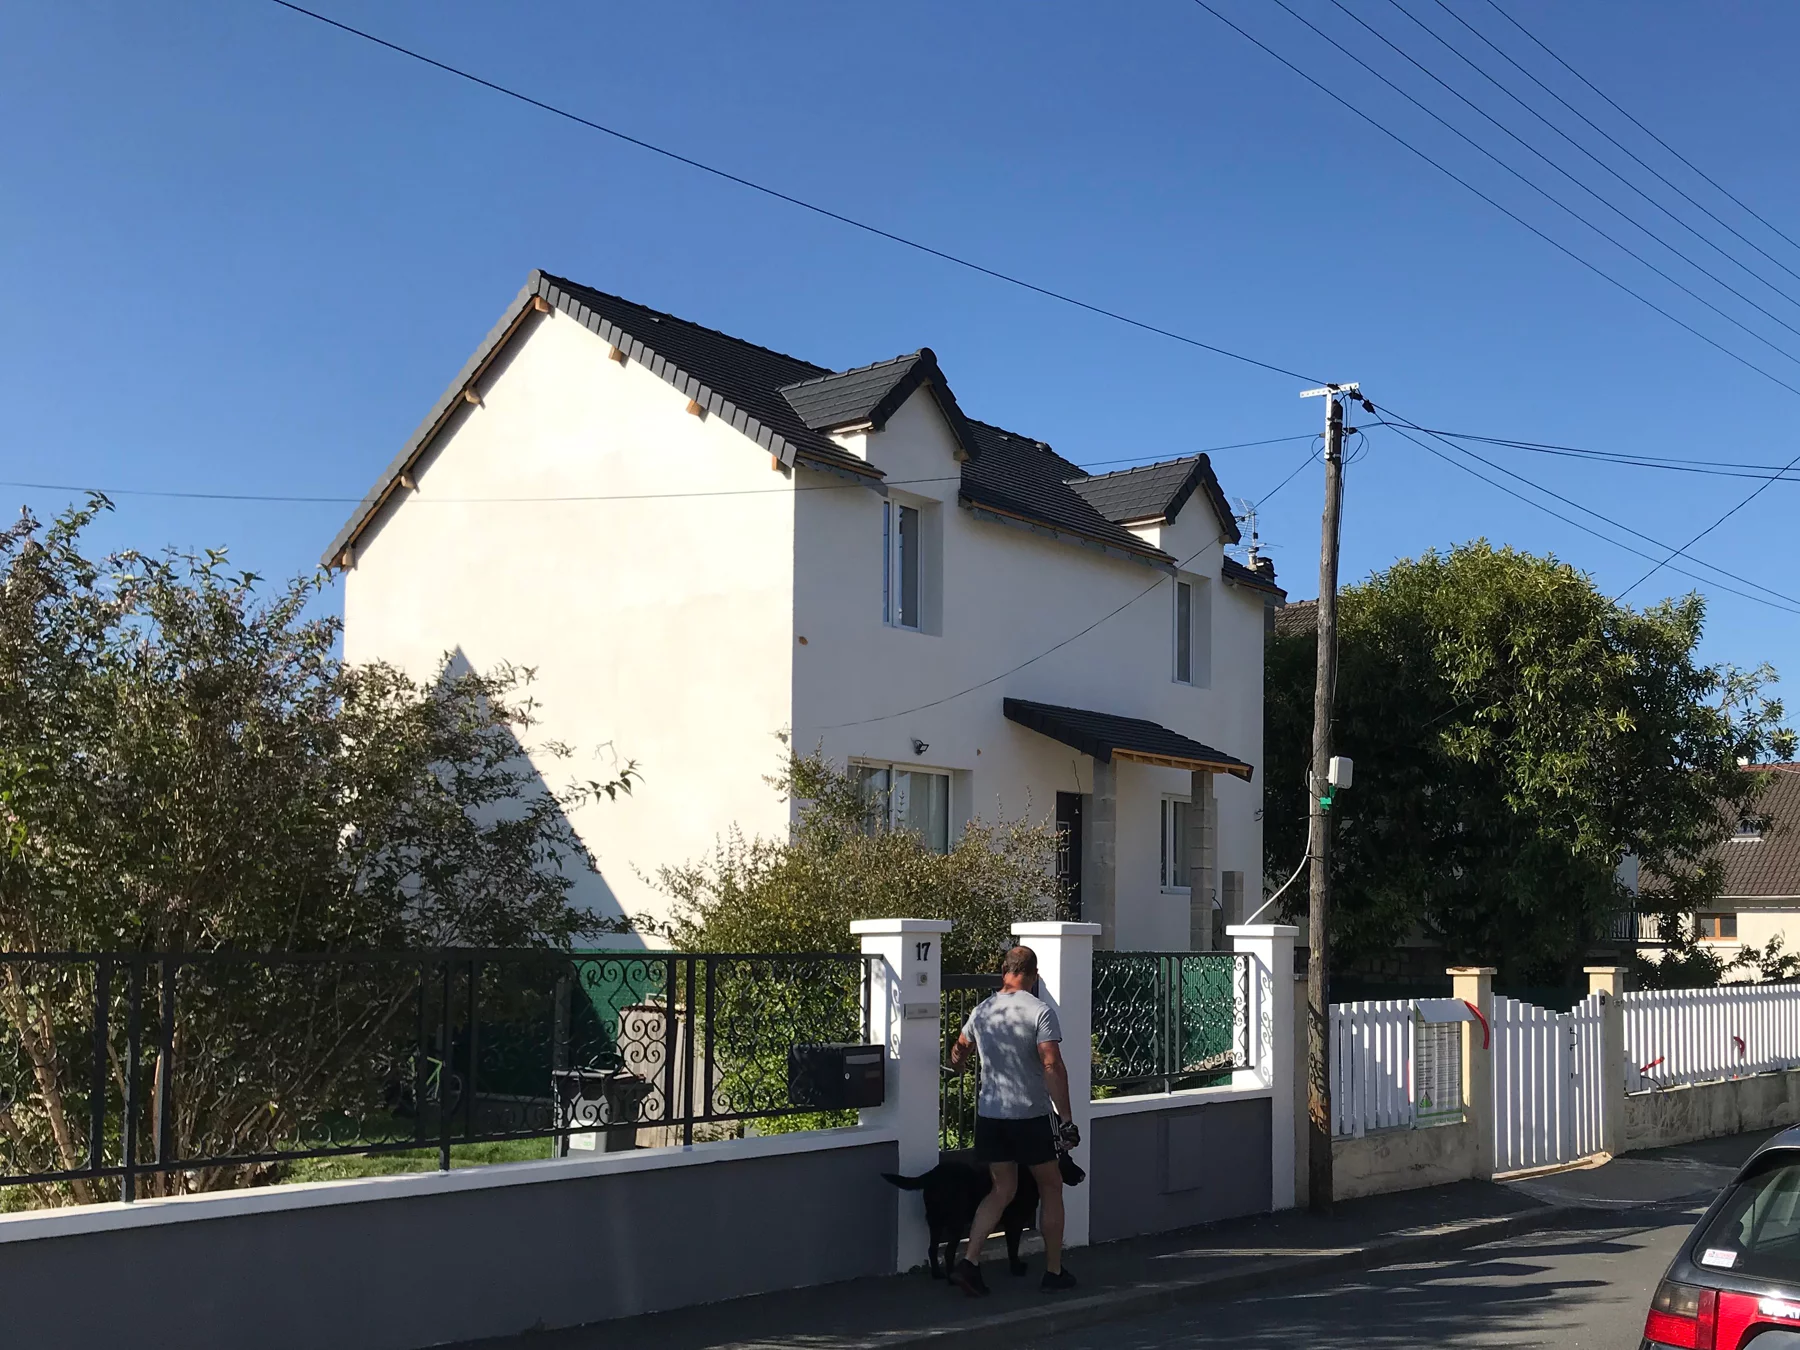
point(1028, 1142)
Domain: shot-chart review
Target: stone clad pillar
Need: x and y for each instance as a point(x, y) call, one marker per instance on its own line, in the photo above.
point(1202, 852)
point(1266, 1026)
point(1475, 986)
point(1609, 983)
point(1100, 869)
point(905, 1015)
point(1065, 953)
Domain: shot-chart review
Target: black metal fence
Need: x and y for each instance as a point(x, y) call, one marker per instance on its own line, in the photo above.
point(1169, 1020)
point(957, 1091)
point(123, 1074)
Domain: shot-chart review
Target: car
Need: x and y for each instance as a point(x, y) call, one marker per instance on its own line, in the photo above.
point(1735, 1282)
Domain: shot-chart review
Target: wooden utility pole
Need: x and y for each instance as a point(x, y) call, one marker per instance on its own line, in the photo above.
point(1318, 833)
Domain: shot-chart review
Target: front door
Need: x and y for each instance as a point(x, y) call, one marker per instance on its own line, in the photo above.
point(1068, 848)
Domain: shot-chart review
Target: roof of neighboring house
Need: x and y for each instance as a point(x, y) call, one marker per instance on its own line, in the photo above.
point(1769, 866)
point(788, 406)
point(1233, 571)
point(1152, 492)
point(1297, 616)
point(1108, 736)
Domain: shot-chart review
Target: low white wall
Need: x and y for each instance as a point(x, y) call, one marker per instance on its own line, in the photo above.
point(398, 1263)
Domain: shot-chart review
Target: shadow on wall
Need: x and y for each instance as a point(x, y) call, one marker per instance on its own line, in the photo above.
point(591, 891)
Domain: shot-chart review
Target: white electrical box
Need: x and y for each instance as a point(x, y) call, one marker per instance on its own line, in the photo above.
point(1341, 770)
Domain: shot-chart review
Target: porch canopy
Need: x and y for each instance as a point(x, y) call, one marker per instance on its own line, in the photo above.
point(1107, 736)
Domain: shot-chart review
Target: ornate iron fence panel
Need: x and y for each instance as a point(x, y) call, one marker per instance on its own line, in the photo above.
point(958, 1091)
point(1169, 1020)
point(125, 1074)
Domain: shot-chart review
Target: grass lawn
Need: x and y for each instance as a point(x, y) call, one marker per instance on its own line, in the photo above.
point(417, 1160)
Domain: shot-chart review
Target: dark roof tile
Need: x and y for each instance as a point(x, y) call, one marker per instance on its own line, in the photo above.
point(1103, 735)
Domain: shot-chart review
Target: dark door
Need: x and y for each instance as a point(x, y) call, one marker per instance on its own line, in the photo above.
point(1068, 848)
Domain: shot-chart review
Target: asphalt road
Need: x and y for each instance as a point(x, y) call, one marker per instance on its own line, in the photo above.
point(1585, 1288)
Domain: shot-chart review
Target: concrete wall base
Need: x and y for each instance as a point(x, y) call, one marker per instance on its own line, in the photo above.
point(1680, 1115)
point(1403, 1160)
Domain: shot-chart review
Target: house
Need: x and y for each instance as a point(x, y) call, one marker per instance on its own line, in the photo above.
point(700, 544)
point(1760, 863)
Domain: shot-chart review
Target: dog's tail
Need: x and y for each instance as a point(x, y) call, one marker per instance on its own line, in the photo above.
point(904, 1183)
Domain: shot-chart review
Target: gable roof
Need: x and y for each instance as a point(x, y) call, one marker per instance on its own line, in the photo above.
point(788, 405)
point(1297, 616)
point(1153, 492)
point(869, 395)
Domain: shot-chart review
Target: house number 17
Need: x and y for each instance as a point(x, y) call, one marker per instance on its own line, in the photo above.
point(921, 951)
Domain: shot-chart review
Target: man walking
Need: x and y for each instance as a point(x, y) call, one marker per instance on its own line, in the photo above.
point(1016, 1036)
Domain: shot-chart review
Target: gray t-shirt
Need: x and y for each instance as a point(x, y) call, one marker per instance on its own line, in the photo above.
point(1007, 1029)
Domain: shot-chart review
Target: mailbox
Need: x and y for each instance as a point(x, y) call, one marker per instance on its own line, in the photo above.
point(837, 1076)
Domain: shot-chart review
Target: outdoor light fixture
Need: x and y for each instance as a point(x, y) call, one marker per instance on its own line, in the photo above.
point(919, 746)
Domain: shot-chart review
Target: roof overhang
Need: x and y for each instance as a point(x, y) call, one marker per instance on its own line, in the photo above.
point(1108, 736)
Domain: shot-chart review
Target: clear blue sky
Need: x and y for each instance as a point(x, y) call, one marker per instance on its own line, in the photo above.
point(241, 252)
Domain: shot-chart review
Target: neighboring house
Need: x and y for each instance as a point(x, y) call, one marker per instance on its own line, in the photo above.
point(1760, 860)
point(699, 543)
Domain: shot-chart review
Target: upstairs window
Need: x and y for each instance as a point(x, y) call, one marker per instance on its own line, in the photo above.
point(1190, 632)
point(900, 553)
point(898, 798)
point(1749, 829)
point(1716, 927)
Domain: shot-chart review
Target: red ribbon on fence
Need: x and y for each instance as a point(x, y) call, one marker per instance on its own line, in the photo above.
point(1738, 1041)
point(1652, 1064)
point(1479, 1018)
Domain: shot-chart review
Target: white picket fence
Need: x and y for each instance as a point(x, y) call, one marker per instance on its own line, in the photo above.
point(1548, 1089)
point(1679, 1036)
point(1371, 1066)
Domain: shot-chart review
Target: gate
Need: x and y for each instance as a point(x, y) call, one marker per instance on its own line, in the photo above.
point(957, 1091)
point(1547, 1083)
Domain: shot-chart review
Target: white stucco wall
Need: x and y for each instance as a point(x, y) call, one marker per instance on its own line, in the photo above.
point(1009, 595)
point(661, 627)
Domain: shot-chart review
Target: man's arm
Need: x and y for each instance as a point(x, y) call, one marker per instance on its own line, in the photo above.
point(959, 1055)
point(1056, 1077)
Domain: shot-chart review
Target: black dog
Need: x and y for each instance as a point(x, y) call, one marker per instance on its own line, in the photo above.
point(955, 1188)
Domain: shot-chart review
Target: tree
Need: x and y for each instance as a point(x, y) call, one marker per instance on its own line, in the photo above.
point(187, 768)
point(800, 894)
point(1516, 734)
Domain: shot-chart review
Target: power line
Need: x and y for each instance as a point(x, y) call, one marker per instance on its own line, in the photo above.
point(1491, 79)
point(1549, 196)
point(1741, 204)
point(1604, 201)
point(1513, 216)
point(276, 497)
point(754, 186)
point(1720, 468)
point(1792, 605)
point(1073, 637)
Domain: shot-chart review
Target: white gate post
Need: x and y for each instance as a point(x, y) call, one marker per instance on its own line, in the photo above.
point(1474, 985)
point(1270, 1025)
point(1065, 956)
point(1609, 983)
point(904, 1015)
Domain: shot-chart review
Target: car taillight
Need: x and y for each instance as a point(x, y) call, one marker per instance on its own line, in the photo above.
point(1682, 1315)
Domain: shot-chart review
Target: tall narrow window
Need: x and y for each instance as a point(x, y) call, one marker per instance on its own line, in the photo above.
point(1174, 843)
point(900, 564)
point(1184, 632)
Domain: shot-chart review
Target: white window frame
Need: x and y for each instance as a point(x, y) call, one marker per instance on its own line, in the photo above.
point(1173, 862)
point(894, 560)
point(890, 814)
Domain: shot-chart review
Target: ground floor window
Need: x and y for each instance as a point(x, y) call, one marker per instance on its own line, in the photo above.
point(1716, 927)
point(899, 798)
point(1174, 843)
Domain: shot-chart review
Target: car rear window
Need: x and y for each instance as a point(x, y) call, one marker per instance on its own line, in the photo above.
point(1757, 1231)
